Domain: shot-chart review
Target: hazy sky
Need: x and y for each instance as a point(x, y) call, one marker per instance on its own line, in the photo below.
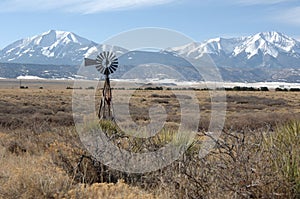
point(100, 19)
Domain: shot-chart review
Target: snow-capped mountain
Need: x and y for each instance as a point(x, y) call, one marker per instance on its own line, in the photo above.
point(265, 49)
point(216, 46)
point(265, 56)
point(52, 47)
point(268, 43)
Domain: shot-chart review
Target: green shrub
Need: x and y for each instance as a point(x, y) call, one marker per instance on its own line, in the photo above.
point(281, 89)
point(294, 89)
point(264, 88)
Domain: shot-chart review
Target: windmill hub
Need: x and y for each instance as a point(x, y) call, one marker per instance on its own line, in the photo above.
point(106, 62)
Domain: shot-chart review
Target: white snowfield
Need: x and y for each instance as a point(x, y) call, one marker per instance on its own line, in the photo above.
point(212, 85)
point(174, 82)
point(271, 85)
point(29, 77)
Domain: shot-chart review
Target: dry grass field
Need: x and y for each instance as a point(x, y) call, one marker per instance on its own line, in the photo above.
point(41, 156)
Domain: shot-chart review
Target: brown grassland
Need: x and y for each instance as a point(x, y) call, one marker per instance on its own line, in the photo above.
point(257, 155)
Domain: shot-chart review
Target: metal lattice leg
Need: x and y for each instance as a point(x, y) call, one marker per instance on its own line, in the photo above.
point(105, 109)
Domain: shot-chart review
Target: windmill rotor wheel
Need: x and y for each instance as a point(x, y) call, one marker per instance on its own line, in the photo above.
point(107, 63)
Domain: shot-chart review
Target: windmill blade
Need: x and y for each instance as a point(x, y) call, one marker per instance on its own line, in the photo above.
point(98, 67)
point(99, 64)
point(112, 56)
point(99, 59)
point(105, 54)
point(113, 68)
point(102, 70)
point(109, 55)
point(115, 63)
point(101, 56)
point(89, 62)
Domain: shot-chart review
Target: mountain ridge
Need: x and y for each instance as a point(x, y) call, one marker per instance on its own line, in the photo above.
point(265, 56)
point(262, 49)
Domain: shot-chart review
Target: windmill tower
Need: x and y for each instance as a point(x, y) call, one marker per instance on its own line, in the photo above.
point(106, 63)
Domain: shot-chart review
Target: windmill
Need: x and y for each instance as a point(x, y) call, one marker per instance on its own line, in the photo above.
point(106, 63)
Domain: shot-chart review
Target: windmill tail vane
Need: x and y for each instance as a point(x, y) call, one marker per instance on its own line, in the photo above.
point(106, 63)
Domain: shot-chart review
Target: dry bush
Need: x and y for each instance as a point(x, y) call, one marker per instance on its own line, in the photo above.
point(120, 190)
point(240, 166)
point(48, 168)
point(247, 164)
point(30, 176)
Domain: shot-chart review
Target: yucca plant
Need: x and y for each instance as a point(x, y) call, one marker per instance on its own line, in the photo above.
point(284, 146)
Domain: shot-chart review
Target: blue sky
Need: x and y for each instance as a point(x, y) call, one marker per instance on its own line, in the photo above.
point(100, 19)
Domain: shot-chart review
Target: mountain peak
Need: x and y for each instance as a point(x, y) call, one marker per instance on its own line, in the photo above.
point(51, 47)
point(50, 32)
point(55, 33)
point(273, 37)
point(270, 33)
point(62, 36)
point(268, 43)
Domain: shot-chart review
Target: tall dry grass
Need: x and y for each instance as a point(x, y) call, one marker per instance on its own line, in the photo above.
point(25, 175)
